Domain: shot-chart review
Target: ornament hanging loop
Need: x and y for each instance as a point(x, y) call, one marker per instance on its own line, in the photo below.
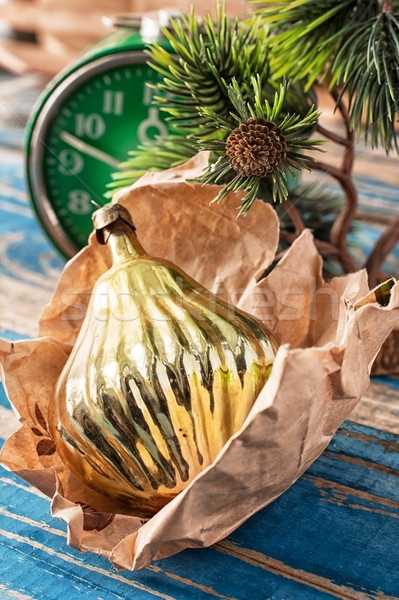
point(109, 219)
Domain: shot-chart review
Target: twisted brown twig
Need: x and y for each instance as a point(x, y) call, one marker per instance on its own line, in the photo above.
point(338, 245)
point(382, 248)
point(343, 175)
point(294, 216)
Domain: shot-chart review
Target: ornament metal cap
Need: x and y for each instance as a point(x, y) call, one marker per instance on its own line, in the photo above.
point(109, 218)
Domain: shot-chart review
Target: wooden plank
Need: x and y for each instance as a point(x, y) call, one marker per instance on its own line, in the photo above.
point(192, 575)
point(8, 422)
point(10, 593)
point(23, 57)
point(338, 522)
point(29, 265)
point(3, 399)
point(380, 405)
point(59, 19)
point(333, 534)
point(365, 466)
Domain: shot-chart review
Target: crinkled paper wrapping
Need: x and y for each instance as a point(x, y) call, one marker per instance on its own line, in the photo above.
point(320, 372)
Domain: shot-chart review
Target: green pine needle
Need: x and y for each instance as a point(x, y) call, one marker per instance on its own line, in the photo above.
point(202, 60)
point(221, 169)
point(217, 76)
point(165, 153)
point(305, 34)
point(372, 80)
point(354, 44)
point(195, 80)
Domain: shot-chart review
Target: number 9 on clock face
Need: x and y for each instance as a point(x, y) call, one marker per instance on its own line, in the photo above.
point(81, 133)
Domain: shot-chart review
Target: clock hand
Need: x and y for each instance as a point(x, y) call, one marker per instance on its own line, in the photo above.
point(87, 149)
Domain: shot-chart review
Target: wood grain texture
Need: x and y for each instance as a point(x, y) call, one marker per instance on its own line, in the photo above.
point(379, 407)
point(63, 29)
point(331, 535)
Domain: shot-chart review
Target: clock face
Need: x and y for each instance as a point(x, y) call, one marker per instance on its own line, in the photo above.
point(83, 132)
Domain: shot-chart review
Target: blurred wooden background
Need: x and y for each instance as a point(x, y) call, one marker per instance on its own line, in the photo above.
point(45, 35)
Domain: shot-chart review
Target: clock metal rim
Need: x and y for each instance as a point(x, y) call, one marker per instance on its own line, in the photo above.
point(41, 202)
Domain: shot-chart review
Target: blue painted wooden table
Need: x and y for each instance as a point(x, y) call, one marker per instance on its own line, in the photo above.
point(334, 534)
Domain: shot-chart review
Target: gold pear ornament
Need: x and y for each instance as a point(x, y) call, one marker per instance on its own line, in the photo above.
point(162, 374)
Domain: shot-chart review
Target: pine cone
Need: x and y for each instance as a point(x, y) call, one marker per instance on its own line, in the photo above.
point(256, 147)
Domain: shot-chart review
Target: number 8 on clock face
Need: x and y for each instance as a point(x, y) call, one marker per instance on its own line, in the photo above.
point(82, 129)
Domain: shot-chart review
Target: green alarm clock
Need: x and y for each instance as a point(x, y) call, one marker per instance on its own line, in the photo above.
point(83, 126)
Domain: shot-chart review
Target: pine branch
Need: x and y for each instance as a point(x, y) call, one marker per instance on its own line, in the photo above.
point(195, 80)
point(165, 153)
point(202, 60)
point(353, 42)
point(215, 77)
point(371, 80)
point(306, 34)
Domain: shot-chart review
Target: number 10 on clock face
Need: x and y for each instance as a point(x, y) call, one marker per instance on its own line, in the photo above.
point(82, 134)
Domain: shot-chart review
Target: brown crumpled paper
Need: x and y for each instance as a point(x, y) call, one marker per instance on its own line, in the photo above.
point(320, 372)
